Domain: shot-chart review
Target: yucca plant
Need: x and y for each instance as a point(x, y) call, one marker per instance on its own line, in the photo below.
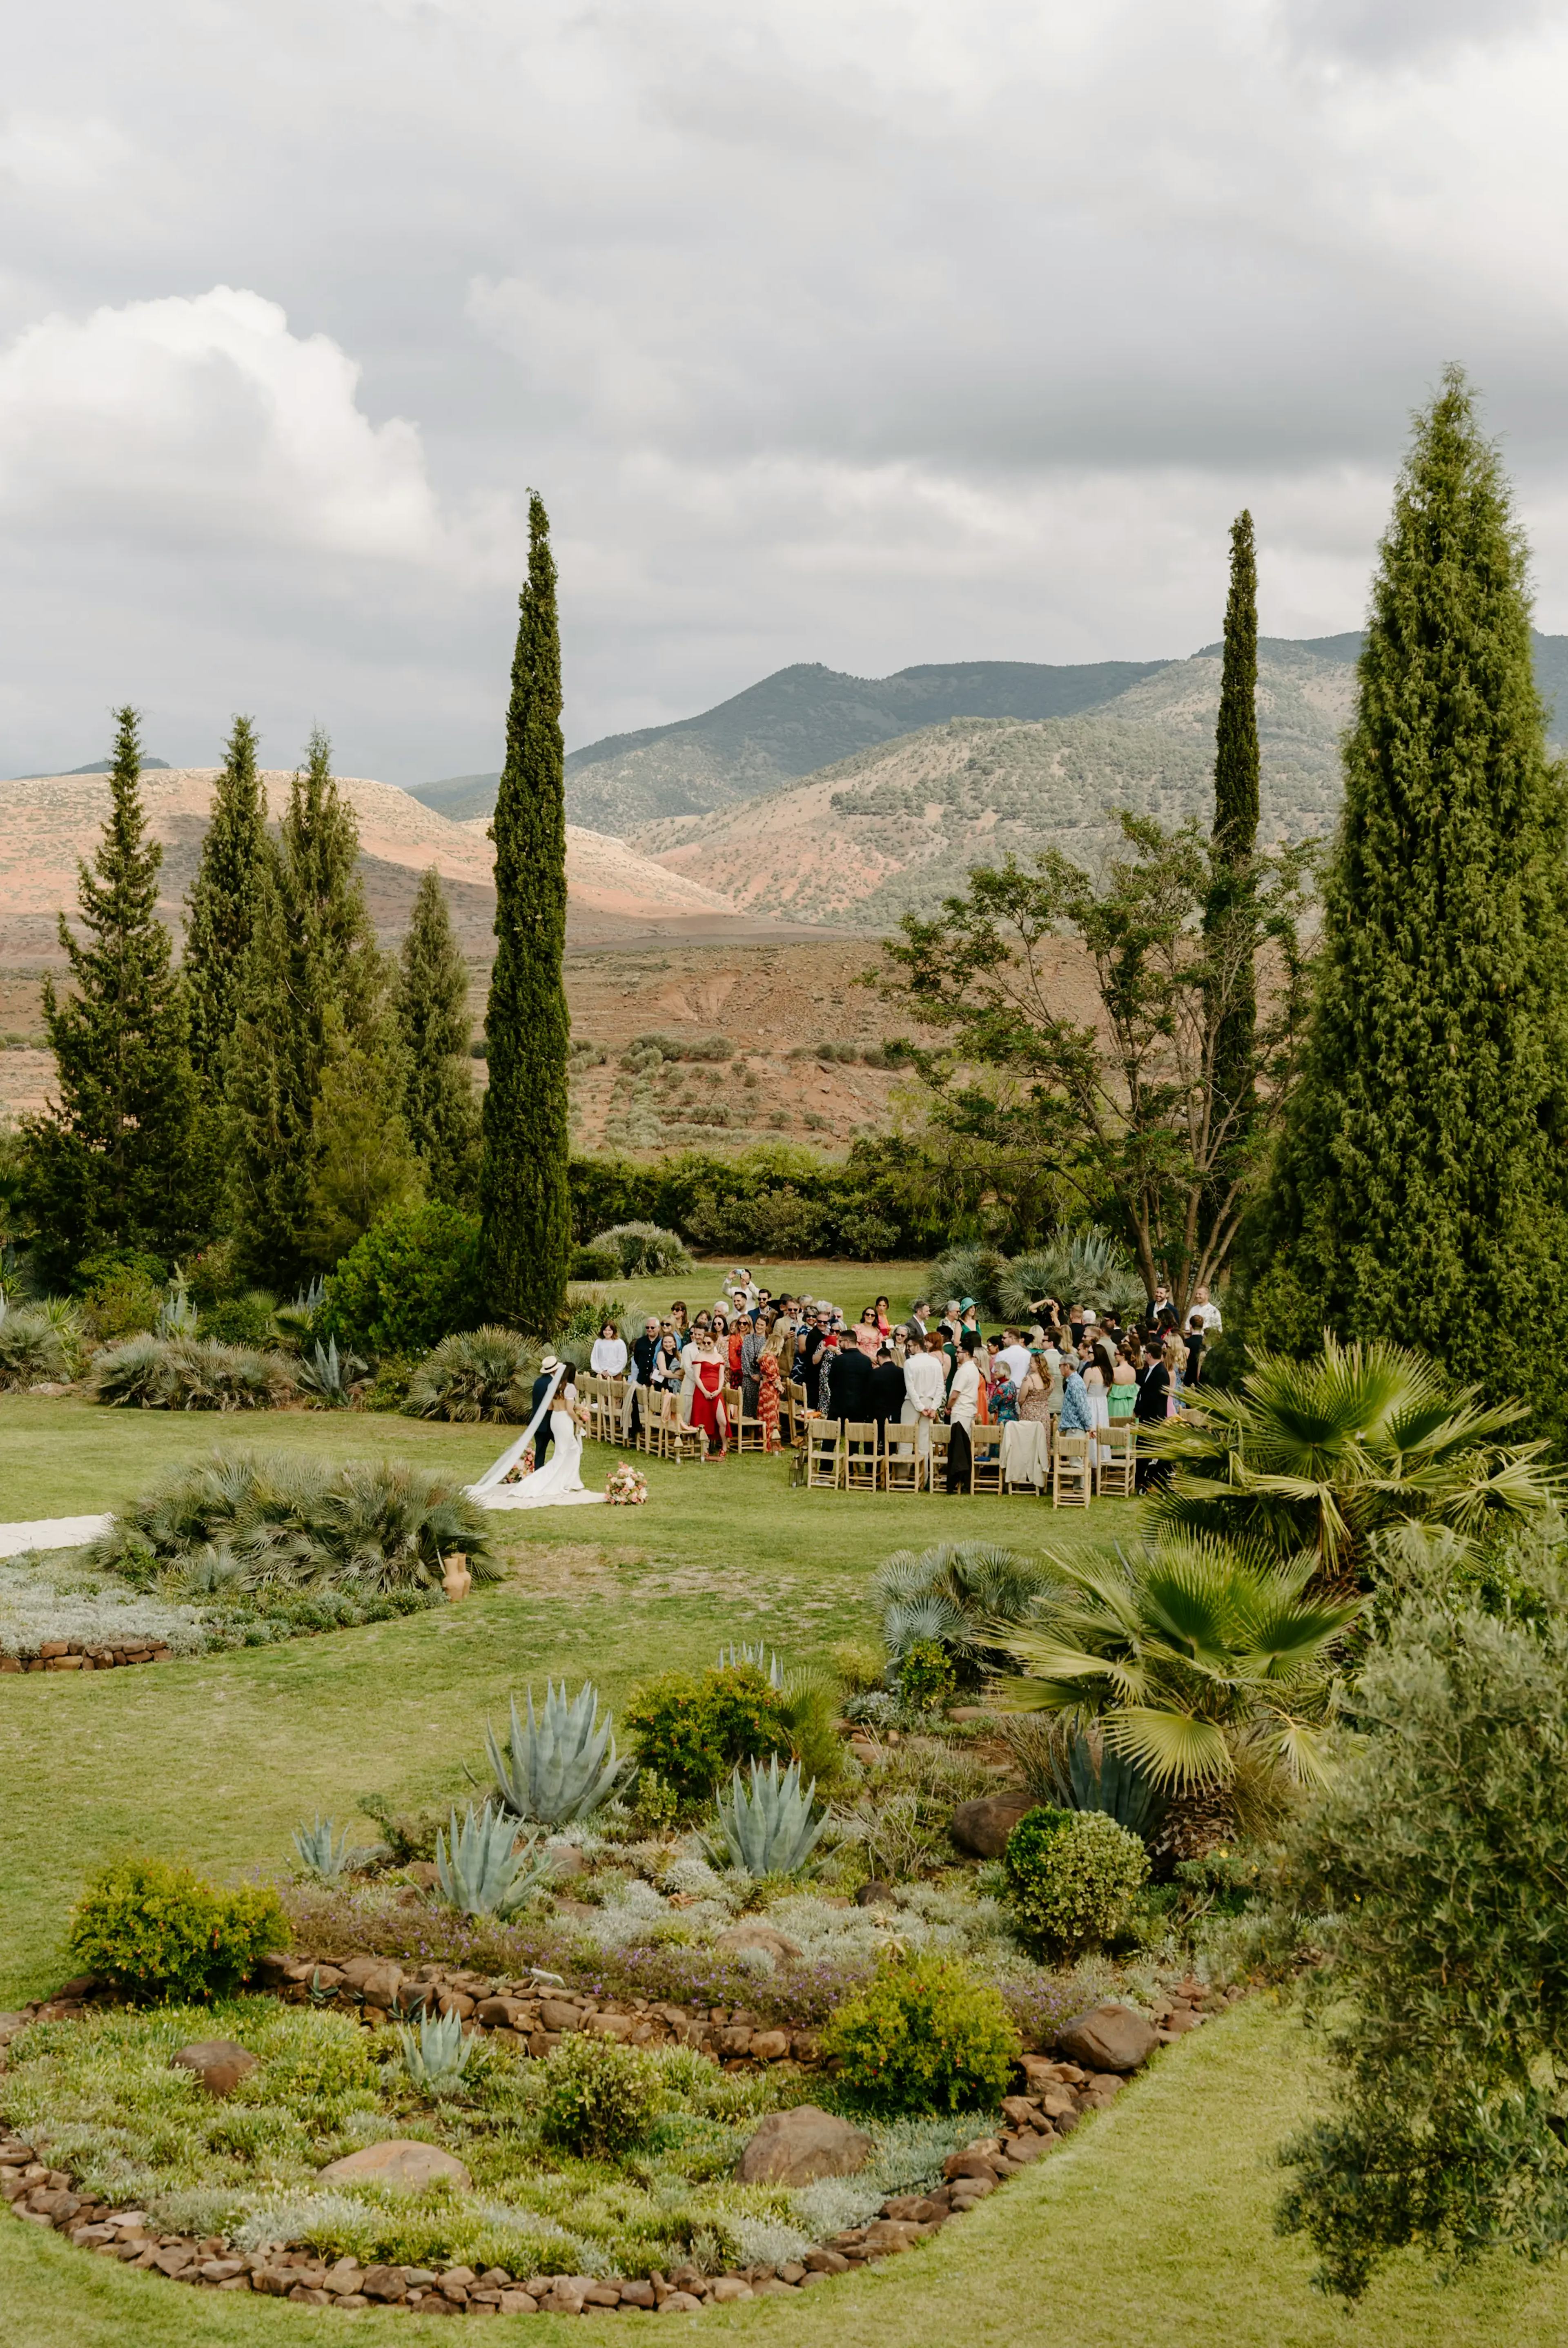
point(1323, 1455)
point(479, 1868)
point(177, 1317)
point(559, 1766)
point(1178, 1652)
point(771, 1828)
point(475, 1374)
point(436, 2055)
point(328, 1376)
point(321, 1854)
point(956, 1595)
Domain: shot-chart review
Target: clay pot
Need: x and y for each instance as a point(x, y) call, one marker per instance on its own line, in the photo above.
point(456, 1581)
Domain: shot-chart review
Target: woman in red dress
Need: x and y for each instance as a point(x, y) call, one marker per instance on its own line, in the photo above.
point(770, 1387)
point(708, 1399)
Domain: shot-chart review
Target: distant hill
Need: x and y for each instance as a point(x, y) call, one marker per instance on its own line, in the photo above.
point(100, 767)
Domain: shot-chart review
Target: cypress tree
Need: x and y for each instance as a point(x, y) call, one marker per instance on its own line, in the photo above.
point(222, 906)
point(524, 1194)
point(313, 985)
point(439, 1107)
point(1228, 928)
point(108, 1165)
point(1420, 1191)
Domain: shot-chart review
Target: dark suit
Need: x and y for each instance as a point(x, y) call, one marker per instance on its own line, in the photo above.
point(854, 1386)
point(1153, 1387)
point(888, 1391)
point(543, 1439)
point(809, 1358)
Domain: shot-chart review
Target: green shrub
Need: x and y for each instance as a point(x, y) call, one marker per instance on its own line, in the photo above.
point(157, 1930)
point(475, 1374)
point(859, 1664)
point(1431, 1873)
point(923, 2036)
point(124, 1302)
point(241, 1320)
point(1073, 1876)
point(594, 1262)
point(192, 1374)
point(408, 1282)
point(598, 2096)
point(585, 1316)
point(693, 1730)
point(32, 1351)
point(640, 1250)
point(926, 1676)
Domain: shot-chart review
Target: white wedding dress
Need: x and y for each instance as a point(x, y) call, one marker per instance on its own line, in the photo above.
point(557, 1485)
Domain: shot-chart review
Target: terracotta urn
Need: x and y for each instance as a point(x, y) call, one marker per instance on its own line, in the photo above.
point(456, 1581)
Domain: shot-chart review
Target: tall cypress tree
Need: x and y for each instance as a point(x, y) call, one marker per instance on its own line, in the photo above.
point(108, 1166)
point(221, 918)
point(438, 1102)
point(524, 1190)
point(1420, 1191)
point(313, 985)
point(1228, 925)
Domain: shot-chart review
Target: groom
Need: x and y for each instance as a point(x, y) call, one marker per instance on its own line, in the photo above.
point(542, 1384)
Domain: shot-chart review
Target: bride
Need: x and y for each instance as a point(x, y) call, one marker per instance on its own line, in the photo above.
point(558, 1484)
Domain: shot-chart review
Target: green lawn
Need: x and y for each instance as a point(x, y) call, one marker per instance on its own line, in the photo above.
point(850, 1286)
point(1152, 2228)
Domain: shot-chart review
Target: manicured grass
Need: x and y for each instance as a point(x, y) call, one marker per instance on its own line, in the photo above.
point(850, 1286)
point(1150, 2229)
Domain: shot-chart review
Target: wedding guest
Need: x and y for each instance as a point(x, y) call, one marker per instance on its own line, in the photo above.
point(769, 1394)
point(607, 1358)
point(963, 1407)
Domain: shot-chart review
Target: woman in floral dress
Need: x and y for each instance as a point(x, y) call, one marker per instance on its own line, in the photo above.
point(770, 1389)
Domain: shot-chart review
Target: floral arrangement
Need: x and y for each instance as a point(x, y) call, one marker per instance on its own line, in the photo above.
point(627, 1487)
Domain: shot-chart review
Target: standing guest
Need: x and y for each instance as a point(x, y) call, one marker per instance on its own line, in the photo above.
point(739, 1331)
point(870, 1321)
point(708, 1412)
point(607, 1358)
point(884, 1326)
point(1034, 1389)
point(1076, 1416)
point(963, 1407)
point(678, 1315)
point(886, 1389)
point(925, 1390)
point(1015, 1353)
point(1123, 1390)
point(1162, 1301)
point(770, 1392)
point(809, 1358)
point(669, 1368)
point(753, 1345)
point(854, 1379)
point(832, 1361)
point(1001, 1391)
point(1075, 1327)
point(1194, 1362)
point(1154, 1395)
point(1213, 1320)
point(1097, 1370)
point(920, 1317)
point(968, 1318)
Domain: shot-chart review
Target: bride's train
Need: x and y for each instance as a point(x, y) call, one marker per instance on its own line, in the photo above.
point(558, 1484)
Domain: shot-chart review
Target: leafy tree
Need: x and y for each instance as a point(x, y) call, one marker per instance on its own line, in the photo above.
point(1183, 1652)
point(363, 1163)
point(1323, 1456)
point(1125, 1104)
point(1421, 1184)
point(439, 1108)
point(1430, 1872)
point(106, 1166)
point(314, 991)
point(524, 1197)
point(412, 1280)
point(1229, 922)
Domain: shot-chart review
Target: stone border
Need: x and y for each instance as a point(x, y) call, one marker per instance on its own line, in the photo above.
point(72, 1655)
point(1058, 2094)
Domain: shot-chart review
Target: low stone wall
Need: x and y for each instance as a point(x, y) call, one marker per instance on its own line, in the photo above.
point(71, 1655)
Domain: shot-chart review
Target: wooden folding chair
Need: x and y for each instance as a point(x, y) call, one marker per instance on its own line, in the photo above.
point(985, 1459)
point(902, 1465)
point(824, 1464)
point(746, 1431)
point(1072, 1463)
point(593, 1396)
point(862, 1455)
point(794, 1412)
point(1118, 1476)
point(616, 1392)
point(936, 1465)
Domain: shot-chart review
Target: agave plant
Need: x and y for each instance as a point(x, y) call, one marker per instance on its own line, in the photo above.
point(761, 1658)
point(1178, 1650)
point(1071, 1767)
point(475, 1374)
point(1083, 1267)
point(557, 1769)
point(436, 2054)
point(320, 1855)
point(295, 1321)
point(177, 1317)
point(480, 1871)
point(328, 1376)
point(1323, 1455)
point(958, 1596)
point(771, 1829)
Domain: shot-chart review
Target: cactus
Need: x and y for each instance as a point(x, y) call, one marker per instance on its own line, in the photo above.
point(771, 1829)
point(733, 1658)
point(320, 1855)
point(557, 1770)
point(435, 2055)
point(478, 1870)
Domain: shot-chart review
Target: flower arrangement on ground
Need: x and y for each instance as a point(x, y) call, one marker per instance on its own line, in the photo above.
point(627, 1487)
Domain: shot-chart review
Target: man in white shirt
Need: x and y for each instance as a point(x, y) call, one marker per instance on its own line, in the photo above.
point(1213, 1318)
point(925, 1390)
point(963, 1404)
point(1015, 1354)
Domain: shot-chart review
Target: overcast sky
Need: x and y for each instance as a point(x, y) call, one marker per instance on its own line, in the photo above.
point(861, 331)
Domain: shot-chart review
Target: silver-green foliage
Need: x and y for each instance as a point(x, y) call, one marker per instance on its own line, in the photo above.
point(642, 1250)
point(478, 1867)
point(561, 1765)
point(761, 1657)
point(436, 2054)
point(771, 1829)
point(322, 1855)
point(184, 1373)
point(955, 1595)
point(1081, 1267)
point(475, 1374)
point(32, 1350)
point(328, 1376)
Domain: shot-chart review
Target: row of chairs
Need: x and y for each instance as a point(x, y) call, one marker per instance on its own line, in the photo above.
point(872, 1456)
point(661, 1431)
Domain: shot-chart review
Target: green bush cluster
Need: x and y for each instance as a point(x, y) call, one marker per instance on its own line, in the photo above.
point(923, 2036)
point(410, 1281)
point(598, 2097)
point(1073, 1876)
point(157, 1930)
point(693, 1729)
point(927, 1678)
point(245, 1320)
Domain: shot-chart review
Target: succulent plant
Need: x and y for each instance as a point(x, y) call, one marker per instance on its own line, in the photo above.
point(771, 1829)
point(436, 2054)
point(480, 1871)
point(557, 1770)
point(328, 1374)
point(732, 1658)
point(177, 1317)
point(320, 1855)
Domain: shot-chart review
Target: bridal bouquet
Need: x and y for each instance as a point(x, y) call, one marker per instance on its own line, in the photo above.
point(627, 1487)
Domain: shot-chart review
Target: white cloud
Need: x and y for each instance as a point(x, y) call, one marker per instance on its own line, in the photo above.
point(59, 155)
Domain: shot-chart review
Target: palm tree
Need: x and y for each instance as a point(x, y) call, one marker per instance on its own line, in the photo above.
point(1192, 1657)
point(1323, 1455)
point(959, 1595)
